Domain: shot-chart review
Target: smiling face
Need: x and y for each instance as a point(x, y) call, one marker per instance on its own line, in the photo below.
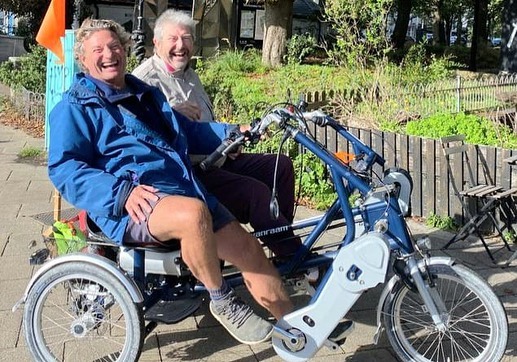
point(104, 57)
point(176, 45)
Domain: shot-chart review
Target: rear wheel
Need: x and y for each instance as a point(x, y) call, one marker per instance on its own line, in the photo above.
point(80, 312)
point(476, 324)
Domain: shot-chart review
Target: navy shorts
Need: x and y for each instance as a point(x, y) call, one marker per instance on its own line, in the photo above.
point(139, 233)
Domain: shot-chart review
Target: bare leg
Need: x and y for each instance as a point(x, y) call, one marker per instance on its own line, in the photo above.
point(188, 219)
point(242, 250)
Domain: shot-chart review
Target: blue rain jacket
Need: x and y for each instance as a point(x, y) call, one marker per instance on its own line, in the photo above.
point(99, 151)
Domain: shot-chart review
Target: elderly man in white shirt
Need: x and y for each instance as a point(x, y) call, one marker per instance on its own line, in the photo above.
point(249, 177)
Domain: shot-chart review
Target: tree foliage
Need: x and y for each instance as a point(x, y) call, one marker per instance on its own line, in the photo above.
point(32, 11)
point(25, 7)
point(359, 29)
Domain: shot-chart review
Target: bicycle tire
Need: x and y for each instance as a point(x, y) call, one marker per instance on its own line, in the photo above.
point(80, 312)
point(476, 327)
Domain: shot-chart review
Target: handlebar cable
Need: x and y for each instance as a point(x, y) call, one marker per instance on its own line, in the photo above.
point(274, 208)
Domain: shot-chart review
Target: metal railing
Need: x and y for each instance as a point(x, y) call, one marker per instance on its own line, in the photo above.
point(423, 100)
point(29, 104)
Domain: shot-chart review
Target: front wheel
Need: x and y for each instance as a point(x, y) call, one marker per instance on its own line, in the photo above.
point(476, 323)
point(80, 312)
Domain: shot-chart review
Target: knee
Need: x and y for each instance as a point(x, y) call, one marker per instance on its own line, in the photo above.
point(193, 211)
point(186, 211)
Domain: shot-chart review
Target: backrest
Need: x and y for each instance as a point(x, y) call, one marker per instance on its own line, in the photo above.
point(454, 146)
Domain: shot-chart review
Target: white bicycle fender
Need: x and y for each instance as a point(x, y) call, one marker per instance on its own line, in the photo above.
point(94, 259)
point(358, 266)
point(394, 280)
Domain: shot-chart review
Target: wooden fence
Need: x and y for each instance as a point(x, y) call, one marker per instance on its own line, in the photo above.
point(423, 158)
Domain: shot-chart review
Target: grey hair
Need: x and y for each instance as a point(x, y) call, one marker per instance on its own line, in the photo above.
point(90, 26)
point(175, 17)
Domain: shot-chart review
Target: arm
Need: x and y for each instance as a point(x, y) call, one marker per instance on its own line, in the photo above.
point(203, 137)
point(75, 165)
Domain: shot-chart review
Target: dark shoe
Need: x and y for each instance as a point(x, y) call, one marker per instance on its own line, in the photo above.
point(342, 330)
point(240, 321)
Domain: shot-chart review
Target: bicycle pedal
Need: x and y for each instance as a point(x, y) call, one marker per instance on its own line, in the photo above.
point(342, 330)
point(173, 311)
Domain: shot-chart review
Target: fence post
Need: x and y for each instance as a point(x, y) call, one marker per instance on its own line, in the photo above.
point(458, 94)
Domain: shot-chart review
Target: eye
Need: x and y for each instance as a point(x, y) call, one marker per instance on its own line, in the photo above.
point(187, 38)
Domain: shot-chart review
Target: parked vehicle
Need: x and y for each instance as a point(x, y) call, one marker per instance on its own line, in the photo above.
point(496, 42)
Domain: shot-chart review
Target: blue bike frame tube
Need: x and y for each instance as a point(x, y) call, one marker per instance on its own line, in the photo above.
point(358, 146)
point(330, 215)
point(396, 223)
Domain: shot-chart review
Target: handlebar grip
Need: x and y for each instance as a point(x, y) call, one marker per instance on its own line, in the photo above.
point(211, 159)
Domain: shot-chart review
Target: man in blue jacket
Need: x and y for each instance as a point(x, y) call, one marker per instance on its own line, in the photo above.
point(120, 152)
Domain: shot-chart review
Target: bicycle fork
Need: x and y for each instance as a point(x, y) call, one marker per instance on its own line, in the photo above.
point(432, 301)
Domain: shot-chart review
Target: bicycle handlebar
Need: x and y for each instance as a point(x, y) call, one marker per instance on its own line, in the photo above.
point(365, 156)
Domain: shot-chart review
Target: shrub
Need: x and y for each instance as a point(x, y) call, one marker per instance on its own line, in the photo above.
point(300, 46)
point(441, 222)
point(315, 186)
point(477, 130)
point(29, 71)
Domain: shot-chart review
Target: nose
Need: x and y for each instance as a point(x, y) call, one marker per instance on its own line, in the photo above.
point(179, 42)
point(107, 51)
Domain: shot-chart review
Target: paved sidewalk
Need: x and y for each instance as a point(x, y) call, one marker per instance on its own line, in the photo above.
point(25, 191)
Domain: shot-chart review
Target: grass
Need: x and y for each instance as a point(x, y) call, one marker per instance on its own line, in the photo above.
point(30, 152)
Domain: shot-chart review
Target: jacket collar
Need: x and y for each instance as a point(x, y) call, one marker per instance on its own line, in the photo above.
point(84, 88)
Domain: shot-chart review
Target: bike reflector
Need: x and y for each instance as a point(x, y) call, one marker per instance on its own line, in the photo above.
point(344, 156)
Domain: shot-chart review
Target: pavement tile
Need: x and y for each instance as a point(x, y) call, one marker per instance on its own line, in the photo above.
point(10, 211)
point(14, 354)
point(15, 268)
point(511, 350)
point(151, 349)
point(12, 291)
point(18, 244)
point(10, 334)
point(192, 345)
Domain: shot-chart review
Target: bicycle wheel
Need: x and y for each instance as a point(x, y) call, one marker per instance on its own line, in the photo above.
point(476, 323)
point(79, 312)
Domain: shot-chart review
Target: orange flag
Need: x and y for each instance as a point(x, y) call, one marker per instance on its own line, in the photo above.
point(53, 28)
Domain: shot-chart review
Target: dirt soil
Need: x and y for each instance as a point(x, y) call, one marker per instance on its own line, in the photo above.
point(35, 128)
point(10, 117)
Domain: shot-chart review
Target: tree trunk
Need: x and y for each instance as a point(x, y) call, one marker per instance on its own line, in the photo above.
point(277, 28)
point(436, 18)
point(483, 24)
point(479, 32)
point(459, 29)
point(509, 50)
point(401, 24)
point(473, 66)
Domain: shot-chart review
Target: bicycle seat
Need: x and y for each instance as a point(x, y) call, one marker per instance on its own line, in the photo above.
point(94, 233)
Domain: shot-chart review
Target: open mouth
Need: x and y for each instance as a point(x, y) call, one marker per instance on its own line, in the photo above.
point(110, 65)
